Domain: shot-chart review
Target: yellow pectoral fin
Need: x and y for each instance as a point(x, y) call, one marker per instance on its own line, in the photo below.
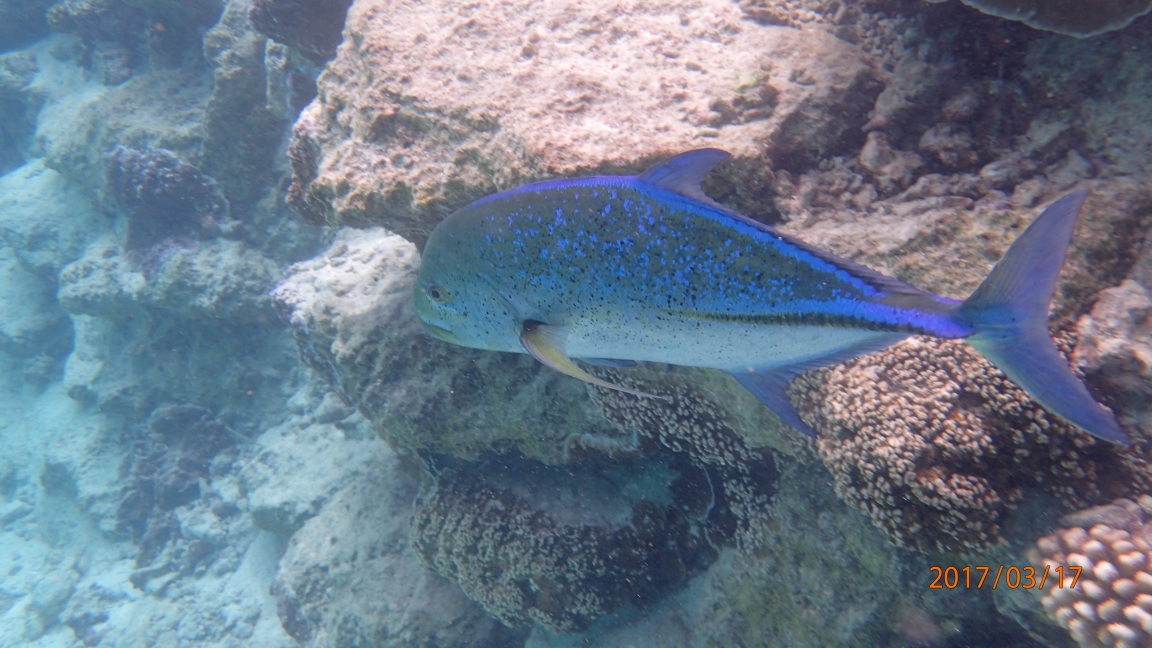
point(541, 341)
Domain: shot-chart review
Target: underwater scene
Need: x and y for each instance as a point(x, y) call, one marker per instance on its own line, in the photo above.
point(579, 323)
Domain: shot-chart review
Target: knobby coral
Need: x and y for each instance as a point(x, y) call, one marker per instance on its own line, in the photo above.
point(163, 195)
point(563, 546)
point(1098, 573)
point(936, 445)
point(534, 543)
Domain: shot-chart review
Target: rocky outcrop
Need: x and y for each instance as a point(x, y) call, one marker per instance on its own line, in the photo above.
point(410, 125)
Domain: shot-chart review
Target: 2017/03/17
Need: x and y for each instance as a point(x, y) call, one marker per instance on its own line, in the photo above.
point(1014, 577)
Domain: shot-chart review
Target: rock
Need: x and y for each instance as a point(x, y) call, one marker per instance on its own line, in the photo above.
point(241, 133)
point(22, 22)
point(313, 28)
point(348, 576)
point(220, 279)
point(945, 244)
point(405, 131)
point(45, 221)
point(292, 478)
point(1115, 345)
point(892, 170)
point(914, 83)
point(13, 511)
point(48, 599)
point(30, 320)
point(952, 145)
point(1074, 19)
point(17, 104)
point(77, 129)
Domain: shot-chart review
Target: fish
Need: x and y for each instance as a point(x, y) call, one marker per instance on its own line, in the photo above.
point(623, 269)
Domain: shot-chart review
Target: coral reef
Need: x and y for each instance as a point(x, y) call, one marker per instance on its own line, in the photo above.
point(111, 30)
point(937, 446)
point(562, 547)
point(164, 472)
point(1099, 584)
point(313, 27)
point(163, 195)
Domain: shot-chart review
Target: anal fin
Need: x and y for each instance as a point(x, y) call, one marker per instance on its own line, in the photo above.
point(771, 387)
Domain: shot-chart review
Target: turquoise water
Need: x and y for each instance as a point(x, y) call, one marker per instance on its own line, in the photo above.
point(222, 424)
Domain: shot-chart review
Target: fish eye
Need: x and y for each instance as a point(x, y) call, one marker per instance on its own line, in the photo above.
point(437, 293)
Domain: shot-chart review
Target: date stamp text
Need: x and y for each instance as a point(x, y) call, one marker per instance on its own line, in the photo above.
point(1011, 576)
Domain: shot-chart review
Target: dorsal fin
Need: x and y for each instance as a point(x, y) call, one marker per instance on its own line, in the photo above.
point(682, 174)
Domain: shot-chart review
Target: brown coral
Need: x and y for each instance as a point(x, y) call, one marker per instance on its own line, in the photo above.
point(562, 547)
point(937, 445)
point(626, 520)
point(689, 420)
point(1108, 600)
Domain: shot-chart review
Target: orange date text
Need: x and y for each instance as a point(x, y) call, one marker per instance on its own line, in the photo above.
point(1011, 576)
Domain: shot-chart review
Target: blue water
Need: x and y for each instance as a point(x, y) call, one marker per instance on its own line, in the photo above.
point(221, 424)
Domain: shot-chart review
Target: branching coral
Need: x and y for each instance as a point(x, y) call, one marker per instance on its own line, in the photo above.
point(163, 195)
point(1099, 574)
point(937, 445)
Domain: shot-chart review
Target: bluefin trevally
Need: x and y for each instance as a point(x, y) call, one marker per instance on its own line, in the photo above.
point(648, 268)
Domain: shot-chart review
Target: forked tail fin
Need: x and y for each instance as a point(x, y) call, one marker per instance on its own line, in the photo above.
point(1009, 313)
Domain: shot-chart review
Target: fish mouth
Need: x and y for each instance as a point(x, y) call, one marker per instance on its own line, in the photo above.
point(438, 332)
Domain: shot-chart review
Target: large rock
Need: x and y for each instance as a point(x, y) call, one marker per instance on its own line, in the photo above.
point(348, 577)
point(45, 221)
point(428, 106)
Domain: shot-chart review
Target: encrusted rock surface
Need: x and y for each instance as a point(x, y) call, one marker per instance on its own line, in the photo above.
point(313, 28)
point(349, 576)
point(221, 278)
point(163, 195)
point(1081, 19)
point(939, 239)
point(424, 110)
